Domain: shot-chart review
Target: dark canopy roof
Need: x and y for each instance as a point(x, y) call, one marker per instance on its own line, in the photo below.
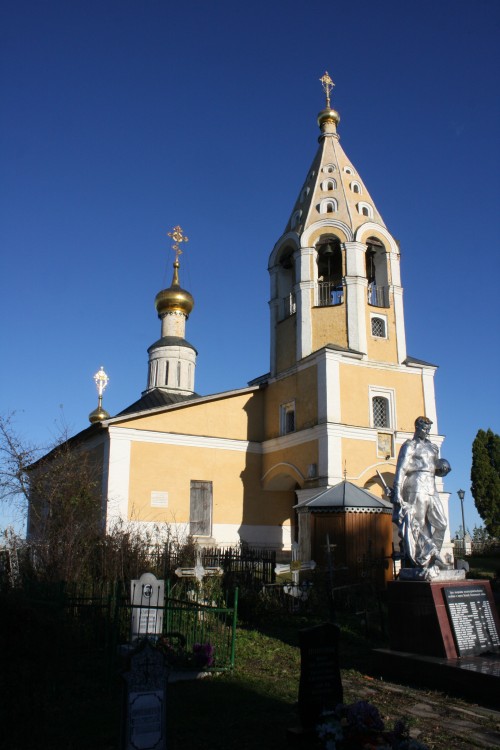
point(346, 496)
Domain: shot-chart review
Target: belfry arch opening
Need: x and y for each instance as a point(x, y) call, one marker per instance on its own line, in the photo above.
point(286, 282)
point(330, 272)
point(376, 273)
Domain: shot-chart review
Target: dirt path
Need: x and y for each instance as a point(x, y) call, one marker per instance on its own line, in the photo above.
point(442, 722)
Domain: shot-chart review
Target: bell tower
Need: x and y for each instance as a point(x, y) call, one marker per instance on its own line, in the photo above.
point(335, 271)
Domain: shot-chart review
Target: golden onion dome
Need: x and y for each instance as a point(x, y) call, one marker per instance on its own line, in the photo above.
point(98, 415)
point(174, 299)
point(328, 116)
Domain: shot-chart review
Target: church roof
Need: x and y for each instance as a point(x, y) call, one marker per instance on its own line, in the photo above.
point(171, 341)
point(332, 178)
point(346, 496)
point(154, 399)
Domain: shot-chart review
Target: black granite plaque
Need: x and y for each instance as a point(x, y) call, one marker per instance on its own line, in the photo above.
point(320, 687)
point(473, 624)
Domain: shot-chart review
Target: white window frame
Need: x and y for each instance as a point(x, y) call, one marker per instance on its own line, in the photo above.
point(356, 184)
point(362, 205)
point(380, 317)
point(323, 206)
point(330, 181)
point(328, 168)
point(286, 409)
point(349, 170)
point(390, 395)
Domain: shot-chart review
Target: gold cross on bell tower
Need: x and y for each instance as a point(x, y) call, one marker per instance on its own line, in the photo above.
point(328, 85)
point(178, 237)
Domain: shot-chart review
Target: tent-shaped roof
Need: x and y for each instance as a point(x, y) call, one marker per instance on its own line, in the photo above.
point(346, 496)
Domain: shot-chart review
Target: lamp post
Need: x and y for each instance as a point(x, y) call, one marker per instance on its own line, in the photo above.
point(461, 495)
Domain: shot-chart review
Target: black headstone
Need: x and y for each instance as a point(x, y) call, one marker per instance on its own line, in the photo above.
point(320, 687)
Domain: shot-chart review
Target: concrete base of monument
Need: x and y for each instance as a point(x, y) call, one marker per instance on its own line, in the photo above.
point(431, 574)
point(476, 678)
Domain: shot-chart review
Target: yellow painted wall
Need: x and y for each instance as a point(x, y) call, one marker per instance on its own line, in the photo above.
point(298, 456)
point(286, 346)
point(354, 388)
point(379, 349)
point(237, 493)
point(329, 326)
point(301, 386)
point(237, 417)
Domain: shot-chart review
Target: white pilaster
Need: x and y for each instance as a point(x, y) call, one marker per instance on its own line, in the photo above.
point(397, 296)
point(329, 406)
point(304, 300)
point(118, 478)
point(356, 299)
point(430, 396)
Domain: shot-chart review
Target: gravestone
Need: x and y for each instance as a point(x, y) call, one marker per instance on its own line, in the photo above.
point(320, 686)
point(147, 596)
point(145, 702)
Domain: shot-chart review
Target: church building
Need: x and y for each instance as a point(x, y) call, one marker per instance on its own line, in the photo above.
point(261, 464)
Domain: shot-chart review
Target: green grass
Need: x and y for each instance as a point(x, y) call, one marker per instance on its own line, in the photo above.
point(484, 567)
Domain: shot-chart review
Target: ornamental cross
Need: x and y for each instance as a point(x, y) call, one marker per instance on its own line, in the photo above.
point(328, 85)
point(178, 237)
point(101, 381)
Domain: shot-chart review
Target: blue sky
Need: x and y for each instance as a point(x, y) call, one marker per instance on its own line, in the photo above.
point(121, 119)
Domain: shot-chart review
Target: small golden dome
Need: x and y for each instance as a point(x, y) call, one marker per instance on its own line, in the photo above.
point(328, 116)
point(98, 415)
point(174, 298)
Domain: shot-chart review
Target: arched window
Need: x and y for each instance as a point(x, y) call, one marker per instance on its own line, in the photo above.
point(330, 288)
point(380, 412)
point(305, 192)
point(349, 170)
point(329, 168)
point(296, 218)
point(330, 184)
point(376, 273)
point(328, 206)
point(365, 210)
point(356, 187)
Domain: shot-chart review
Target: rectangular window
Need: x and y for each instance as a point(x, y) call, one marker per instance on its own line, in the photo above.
point(382, 407)
point(287, 418)
point(200, 508)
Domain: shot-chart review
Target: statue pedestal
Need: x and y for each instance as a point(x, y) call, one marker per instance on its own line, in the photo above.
point(444, 618)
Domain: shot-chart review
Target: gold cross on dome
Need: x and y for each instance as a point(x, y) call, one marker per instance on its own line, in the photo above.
point(178, 237)
point(328, 85)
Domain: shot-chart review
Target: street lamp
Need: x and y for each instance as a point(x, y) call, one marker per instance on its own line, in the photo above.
point(461, 495)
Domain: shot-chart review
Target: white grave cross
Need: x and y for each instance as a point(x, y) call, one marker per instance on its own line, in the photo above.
point(199, 571)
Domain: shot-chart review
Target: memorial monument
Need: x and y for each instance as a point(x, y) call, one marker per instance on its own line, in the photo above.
point(433, 610)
